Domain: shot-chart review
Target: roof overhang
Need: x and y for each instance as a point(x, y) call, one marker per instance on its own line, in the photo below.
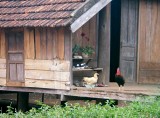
point(86, 16)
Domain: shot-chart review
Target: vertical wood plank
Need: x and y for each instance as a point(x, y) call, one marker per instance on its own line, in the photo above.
point(156, 41)
point(37, 43)
point(104, 44)
point(93, 33)
point(3, 44)
point(124, 21)
point(77, 38)
point(31, 44)
point(67, 44)
point(85, 30)
point(0, 41)
point(26, 43)
point(60, 43)
point(49, 44)
point(43, 43)
point(148, 32)
point(154, 31)
point(142, 23)
point(55, 47)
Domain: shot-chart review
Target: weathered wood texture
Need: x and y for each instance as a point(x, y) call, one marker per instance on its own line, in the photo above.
point(2, 72)
point(44, 43)
point(54, 74)
point(86, 35)
point(2, 44)
point(104, 44)
point(149, 42)
point(90, 9)
point(128, 39)
point(130, 92)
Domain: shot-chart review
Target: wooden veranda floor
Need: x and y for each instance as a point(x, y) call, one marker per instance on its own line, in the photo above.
point(129, 93)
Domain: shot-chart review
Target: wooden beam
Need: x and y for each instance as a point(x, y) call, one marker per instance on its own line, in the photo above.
point(88, 14)
point(22, 101)
point(104, 44)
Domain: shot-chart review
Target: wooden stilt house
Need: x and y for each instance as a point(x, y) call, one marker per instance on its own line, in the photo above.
point(37, 37)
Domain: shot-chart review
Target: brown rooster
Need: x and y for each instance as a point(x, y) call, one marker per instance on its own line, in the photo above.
point(119, 79)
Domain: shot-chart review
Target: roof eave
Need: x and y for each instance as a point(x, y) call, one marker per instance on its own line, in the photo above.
point(86, 12)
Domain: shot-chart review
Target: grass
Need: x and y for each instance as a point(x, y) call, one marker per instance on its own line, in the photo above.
point(142, 108)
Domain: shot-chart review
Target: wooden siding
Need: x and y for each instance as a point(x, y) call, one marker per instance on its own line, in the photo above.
point(2, 72)
point(44, 43)
point(89, 38)
point(149, 42)
point(53, 74)
point(47, 58)
point(2, 44)
point(128, 39)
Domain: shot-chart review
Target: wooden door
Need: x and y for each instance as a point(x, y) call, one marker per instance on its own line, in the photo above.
point(15, 58)
point(149, 42)
point(128, 40)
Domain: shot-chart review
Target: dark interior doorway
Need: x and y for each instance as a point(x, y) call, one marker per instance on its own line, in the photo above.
point(115, 37)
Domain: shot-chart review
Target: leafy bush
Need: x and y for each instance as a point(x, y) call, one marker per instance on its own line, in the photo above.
point(143, 108)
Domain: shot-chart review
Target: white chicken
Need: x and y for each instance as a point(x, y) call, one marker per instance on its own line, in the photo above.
point(91, 80)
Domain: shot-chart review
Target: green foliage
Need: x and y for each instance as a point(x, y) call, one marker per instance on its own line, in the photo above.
point(142, 108)
point(88, 50)
point(76, 48)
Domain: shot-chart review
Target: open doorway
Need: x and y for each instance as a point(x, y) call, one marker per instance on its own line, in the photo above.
point(115, 37)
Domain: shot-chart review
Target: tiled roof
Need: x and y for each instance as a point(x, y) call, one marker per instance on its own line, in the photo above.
point(37, 13)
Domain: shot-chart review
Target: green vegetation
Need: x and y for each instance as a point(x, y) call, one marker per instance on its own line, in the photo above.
point(147, 108)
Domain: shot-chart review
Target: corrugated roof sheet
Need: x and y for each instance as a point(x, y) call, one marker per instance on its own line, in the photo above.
point(37, 13)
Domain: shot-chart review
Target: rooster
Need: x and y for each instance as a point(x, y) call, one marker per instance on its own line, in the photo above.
point(91, 81)
point(119, 79)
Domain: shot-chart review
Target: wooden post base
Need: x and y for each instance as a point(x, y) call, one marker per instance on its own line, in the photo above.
point(22, 101)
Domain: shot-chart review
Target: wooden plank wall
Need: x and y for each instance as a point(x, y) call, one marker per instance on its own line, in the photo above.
point(2, 44)
point(47, 73)
point(2, 72)
point(47, 58)
point(149, 42)
point(44, 43)
point(89, 30)
point(2, 58)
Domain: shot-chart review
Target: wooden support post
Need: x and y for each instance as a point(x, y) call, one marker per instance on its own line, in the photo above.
point(43, 97)
point(63, 100)
point(104, 44)
point(22, 101)
point(100, 101)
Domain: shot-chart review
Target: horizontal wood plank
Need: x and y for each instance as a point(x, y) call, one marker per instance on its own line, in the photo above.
point(47, 84)
point(149, 66)
point(47, 75)
point(149, 80)
point(2, 63)
point(150, 73)
point(54, 65)
point(14, 84)
point(2, 81)
point(2, 73)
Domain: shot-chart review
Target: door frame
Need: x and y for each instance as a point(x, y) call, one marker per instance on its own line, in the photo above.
point(8, 81)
